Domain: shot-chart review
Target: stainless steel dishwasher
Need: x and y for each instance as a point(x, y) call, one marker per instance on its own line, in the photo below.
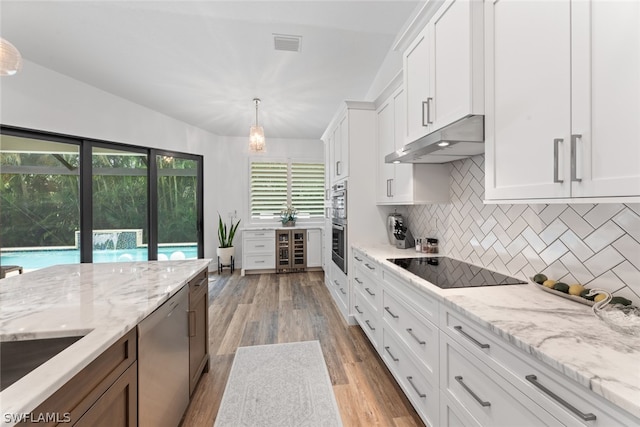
point(163, 363)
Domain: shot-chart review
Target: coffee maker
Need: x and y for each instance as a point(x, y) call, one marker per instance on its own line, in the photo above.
point(397, 232)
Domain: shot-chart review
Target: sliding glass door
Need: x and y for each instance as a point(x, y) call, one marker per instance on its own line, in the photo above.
point(67, 200)
point(119, 188)
point(178, 212)
point(39, 201)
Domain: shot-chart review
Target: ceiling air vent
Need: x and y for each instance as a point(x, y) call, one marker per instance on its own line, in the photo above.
point(287, 42)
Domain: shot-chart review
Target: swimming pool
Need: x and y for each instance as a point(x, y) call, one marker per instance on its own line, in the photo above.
point(35, 259)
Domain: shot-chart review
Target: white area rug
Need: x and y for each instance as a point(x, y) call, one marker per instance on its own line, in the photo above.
point(279, 385)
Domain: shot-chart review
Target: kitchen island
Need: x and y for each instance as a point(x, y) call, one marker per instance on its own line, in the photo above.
point(100, 302)
point(517, 337)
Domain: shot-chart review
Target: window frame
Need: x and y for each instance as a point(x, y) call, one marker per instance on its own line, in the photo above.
point(275, 220)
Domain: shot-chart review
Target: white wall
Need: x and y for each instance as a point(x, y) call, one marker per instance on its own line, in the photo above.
point(41, 99)
point(230, 185)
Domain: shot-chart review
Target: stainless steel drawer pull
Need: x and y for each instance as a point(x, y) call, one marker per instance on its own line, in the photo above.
point(343, 291)
point(357, 259)
point(260, 262)
point(475, 396)
point(470, 338)
point(416, 388)
point(358, 280)
point(369, 267)
point(395, 359)
point(415, 337)
point(395, 316)
point(336, 283)
point(574, 157)
point(357, 307)
point(369, 292)
point(586, 417)
point(369, 325)
point(259, 246)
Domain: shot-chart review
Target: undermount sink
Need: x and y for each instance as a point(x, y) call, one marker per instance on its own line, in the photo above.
point(18, 358)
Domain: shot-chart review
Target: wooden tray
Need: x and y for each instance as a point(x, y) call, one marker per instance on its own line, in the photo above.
point(575, 298)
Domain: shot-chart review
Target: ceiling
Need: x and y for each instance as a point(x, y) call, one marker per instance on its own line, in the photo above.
point(202, 62)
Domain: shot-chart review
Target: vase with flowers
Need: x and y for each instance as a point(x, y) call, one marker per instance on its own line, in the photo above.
point(288, 216)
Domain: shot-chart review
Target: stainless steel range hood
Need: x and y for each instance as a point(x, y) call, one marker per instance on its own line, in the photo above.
point(461, 139)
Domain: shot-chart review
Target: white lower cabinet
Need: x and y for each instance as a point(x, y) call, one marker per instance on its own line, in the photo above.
point(483, 395)
point(456, 372)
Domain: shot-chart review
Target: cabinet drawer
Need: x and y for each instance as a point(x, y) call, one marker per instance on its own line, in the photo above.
point(340, 286)
point(368, 286)
point(255, 262)
point(251, 234)
point(422, 392)
point(484, 395)
point(569, 402)
point(259, 246)
point(197, 286)
point(367, 318)
point(417, 333)
point(418, 299)
point(366, 263)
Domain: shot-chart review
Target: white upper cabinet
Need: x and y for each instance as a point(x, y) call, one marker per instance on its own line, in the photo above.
point(404, 184)
point(457, 68)
point(338, 140)
point(416, 83)
point(443, 69)
point(563, 100)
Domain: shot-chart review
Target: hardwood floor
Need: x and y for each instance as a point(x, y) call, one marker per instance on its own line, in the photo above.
point(279, 308)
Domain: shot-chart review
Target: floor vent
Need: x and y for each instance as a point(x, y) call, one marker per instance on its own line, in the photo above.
point(287, 42)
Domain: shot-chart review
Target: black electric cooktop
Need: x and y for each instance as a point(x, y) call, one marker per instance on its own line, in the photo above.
point(447, 273)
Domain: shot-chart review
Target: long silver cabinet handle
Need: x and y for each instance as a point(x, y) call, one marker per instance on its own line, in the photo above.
point(586, 417)
point(415, 337)
point(574, 157)
point(369, 267)
point(470, 338)
point(357, 259)
point(475, 396)
point(336, 283)
point(395, 316)
point(410, 379)
point(556, 155)
point(343, 291)
point(425, 104)
point(429, 101)
point(357, 307)
point(395, 359)
point(369, 292)
point(358, 280)
point(369, 325)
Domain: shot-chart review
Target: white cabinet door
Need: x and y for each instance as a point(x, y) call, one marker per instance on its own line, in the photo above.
point(386, 145)
point(528, 111)
point(457, 74)
point(416, 85)
point(314, 248)
point(343, 170)
point(401, 187)
point(336, 152)
point(606, 97)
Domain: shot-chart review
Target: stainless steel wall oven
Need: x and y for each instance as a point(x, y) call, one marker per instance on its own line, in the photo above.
point(339, 225)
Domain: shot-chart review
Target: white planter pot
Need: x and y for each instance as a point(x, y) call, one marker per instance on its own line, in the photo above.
point(225, 254)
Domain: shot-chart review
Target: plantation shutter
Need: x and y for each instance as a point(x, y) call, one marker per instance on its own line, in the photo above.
point(269, 182)
point(307, 189)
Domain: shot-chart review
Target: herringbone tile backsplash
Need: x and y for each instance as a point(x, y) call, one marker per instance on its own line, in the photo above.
point(596, 245)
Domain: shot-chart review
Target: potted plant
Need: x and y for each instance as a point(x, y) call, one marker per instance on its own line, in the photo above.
point(225, 239)
point(288, 216)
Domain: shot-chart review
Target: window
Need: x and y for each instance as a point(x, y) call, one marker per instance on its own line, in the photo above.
point(274, 185)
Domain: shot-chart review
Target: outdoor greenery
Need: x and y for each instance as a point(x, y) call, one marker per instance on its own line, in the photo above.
point(40, 197)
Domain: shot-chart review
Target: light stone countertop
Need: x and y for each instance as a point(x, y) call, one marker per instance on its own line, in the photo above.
point(103, 301)
point(299, 226)
point(560, 333)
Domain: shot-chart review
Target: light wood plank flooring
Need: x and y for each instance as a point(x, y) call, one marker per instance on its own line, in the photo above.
point(279, 308)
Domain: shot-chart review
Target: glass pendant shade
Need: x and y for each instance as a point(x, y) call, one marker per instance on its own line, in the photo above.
point(256, 138)
point(10, 59)
point(256, 133)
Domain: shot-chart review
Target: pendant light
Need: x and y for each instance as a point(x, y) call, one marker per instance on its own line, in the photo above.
point(256, 133)
point(10, 59)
